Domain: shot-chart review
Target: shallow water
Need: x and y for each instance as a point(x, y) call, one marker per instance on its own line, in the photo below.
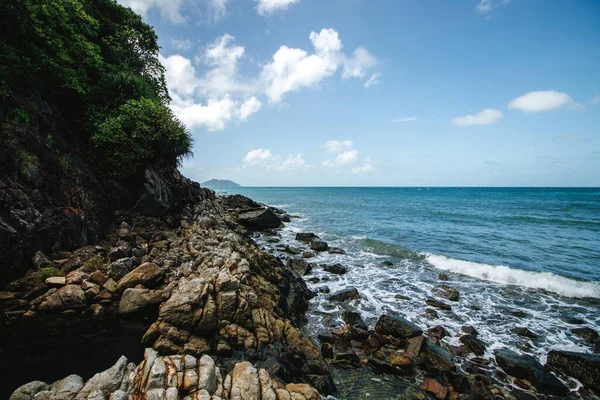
point(519, 257)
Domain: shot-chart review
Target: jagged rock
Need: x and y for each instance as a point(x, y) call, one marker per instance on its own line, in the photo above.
point(244, 382)
point(446, 292)
point(434, 387)
point(318, 245)
point(400, 359)
point(147, 274)
point(473, 344)
point(29, 390)
point(40, 260)
point(68, 297)
point(337, 269)
point(138, 300)
point(347, 294)
point(581, 366)
point(587, 334)
point(119, 268)
point(55, 281)
point(259, 220)
point(300, 266)
point(67, 388)
point(526, 367)
point(109, 380)
point(336, 250)
point(438, 332)
point(438, 304)
point(438, 357)
point(387, 263)
point(397, 326)
point(525, 332)
point(359, 330)
point(306, 237)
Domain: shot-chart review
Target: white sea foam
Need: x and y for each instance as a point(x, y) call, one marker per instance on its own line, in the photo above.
point(510, 276)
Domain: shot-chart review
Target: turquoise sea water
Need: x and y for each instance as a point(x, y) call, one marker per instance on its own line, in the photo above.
point(520, 257)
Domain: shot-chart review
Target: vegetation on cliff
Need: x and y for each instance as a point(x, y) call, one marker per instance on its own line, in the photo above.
point(96, 63)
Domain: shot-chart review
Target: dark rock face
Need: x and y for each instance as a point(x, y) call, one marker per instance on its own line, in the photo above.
point(337, 269)
point(239, 202)
point(259, 220)
point(319, 245)
point(525, 332)
point(587, 334)
point(438, 304)
point(446, 292)
point(473, 344)
point(397, 326)
point(347, 294)
point(437, 357)
point(300, 266)
point(358, 328)
point(306, 237)
point(527, 367)
point(581, 366)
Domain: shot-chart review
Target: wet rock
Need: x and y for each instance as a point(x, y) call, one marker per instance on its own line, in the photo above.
point(438, 304)
point(337, 269)
point(397, 326)
point(526, 367)
point(324, 289)
point(434, 387)
point(438, 357)
point(119, 268)
point(443, 277)
point(438, 332)
point(336, 250)
point(147, 274)
point(40, 260)
point(259, 220)
point(308, 254)
point(139, 300)
point(288, 249)
point(300, 266)
point(473, 344)
point(285, 217)
point(469, 330)
point(319, 245)
point(401, 297)
point(431, 313)
point(446, 292)
point(327, 350)
point(400, 359)
point(306, 237)
point(387, 264)
point(581, 366)
point(525, 332)
point(359, 330)
point(413, 349)
point(350, 293)
point(587, 334)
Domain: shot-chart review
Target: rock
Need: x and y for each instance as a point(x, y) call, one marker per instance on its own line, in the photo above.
point(438, 332)
point(337, 269)
point(319, 245)
point(473, 344)
point(469, 330)
point(56, 281)
point(587, 334)
point(300, 266)
point(438, 304)
point(67, 388)
point(68, 297)
point(443, 277)
point(244, 382)
point(434, 387)
point(336, 250)
point(387, 264)
point(40, 260)
point(207, 374)
point(308, 254)
point(350, 293)
point(119, 268)
point(306, 237)
point(138, 300)
point(327, 350)
point(526, 367)
point(359, 330)
point(147, 274)
point(581, 366)
point(397, 326)
point(259, 220)
point(28, 390)
point(525, 332)
point(400, 359)
point(438, 357)
point(109, 380)
point(98, 277)
point(413, 349)
point(285, 218)
point(446, 292)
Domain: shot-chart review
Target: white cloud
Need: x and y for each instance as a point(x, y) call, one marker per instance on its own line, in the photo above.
point(368, 167)
point(182, 44)
point(541, 101)
point(373, 80)
point(334, 146)
point(292, 69)
point(345, 158)
point(486, 6)
point(266, 7)
point(485, 117)
point(214, 115)
point(180, 74)
point(257, 156)
point(249, 107)
point(218, 8)
point(356, 66)
point(292, 163)
point(407, 119)
point(173, 10)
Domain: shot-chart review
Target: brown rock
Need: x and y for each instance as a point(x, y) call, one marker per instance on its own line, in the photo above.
point(414, 346)
point(400, 359)
point(147, 274)
point(434, 387)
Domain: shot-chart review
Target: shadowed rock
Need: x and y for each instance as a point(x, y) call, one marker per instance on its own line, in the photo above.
point(397, 326)
point(581, 366)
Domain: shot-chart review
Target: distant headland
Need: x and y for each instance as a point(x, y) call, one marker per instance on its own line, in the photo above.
point(220, 183)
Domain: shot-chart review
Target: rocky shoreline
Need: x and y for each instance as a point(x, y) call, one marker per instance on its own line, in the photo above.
point(220, 318)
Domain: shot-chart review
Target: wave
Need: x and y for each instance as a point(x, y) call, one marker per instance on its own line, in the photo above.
point(392, 250)
point(506, 275)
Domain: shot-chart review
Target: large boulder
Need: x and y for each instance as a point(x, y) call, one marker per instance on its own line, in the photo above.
point(523, 366)
point(581, 366)
point(397, 327)
point(259, 220)
point(337, 269)
point(306, 237)
point(147, 274)
point(300, 266)
point(446, 292)
point(319, 245)
point(68, 297)
point(136, 301)
point(350, 293)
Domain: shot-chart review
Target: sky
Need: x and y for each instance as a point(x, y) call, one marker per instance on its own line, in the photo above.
point(385, 92)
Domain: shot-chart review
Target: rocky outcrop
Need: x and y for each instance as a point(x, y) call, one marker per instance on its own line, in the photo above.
point(397, 327)
point(259, 220)
point(171, 377)
point(581, 366)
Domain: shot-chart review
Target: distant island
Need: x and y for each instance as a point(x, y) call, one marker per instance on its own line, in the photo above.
point(220, 183)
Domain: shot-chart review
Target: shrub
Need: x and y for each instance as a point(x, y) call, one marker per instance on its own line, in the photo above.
point(18, 116)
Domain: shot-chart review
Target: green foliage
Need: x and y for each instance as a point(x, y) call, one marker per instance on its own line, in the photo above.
point(94, 263)
point(40, 276)
point(98, 63)
point(26, 161)
point(18, 116)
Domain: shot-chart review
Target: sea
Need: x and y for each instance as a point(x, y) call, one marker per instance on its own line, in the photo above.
point(520, 258)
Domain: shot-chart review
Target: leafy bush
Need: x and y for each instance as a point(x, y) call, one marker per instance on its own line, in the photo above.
point(94, 263)
point(27, 160)
point(40, 276)
point(18, 116)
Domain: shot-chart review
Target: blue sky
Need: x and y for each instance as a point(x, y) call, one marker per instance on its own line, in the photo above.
point(385, 93)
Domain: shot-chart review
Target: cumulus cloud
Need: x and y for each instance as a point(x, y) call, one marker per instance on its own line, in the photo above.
point(373, 80)
point(267, 7)
point(542, 101)
point(214, 114)
point(292, 163)
point(292, 69)
point(368, 167)
point(345, 158)
point(485, 117)
point(257, 156)
point(487, 6)
point(334, 146)
point(181, 44)
point(248, 108)
point(175, 10)
point(180, 75)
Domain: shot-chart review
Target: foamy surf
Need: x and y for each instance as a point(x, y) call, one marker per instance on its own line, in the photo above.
point(510, 276)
